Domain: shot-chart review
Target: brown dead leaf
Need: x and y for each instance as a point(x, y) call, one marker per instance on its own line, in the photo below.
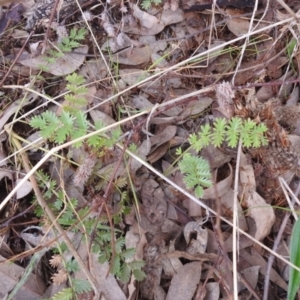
point(152, 25)
point(15, 107)
point(212, 291)
point(196, 107)
point(258, 209)
point(227, 202)
point(60, 277)
point(154, 203)
point(159, 152)
point(220, 189)
point(93, 70)
point(10, 275)
point(238, 26)
point(62, 66)
point(161, 142)
point(132, 56)
point(142, 152)
point(261, 212)
point(251, 275)
point(55, 261)
point(185, 282)
point(24, 189)
point(255, 259)
point(196, 238)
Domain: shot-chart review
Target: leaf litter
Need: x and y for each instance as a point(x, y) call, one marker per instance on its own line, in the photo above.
point(140, 67)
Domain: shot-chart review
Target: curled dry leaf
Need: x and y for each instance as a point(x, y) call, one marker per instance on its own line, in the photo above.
point(152, 25)
point(198, 245)
point(4, 173)
point(161, 139)
point(60, 277)
point(62, 66)
point(238, 26)
point(259, 210)
point(142, 153)
point(221, 188)
point(3, 157)
point(24, 189)
point(55, 261)
point(15, 107)
point(196, 107)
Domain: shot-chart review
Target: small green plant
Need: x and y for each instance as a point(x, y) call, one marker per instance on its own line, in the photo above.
point(67, 44)
point(146, 4)
point(196, 170)
point(70, 124)
point(294, 279)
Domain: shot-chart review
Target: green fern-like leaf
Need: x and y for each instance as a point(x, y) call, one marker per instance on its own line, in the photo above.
point(78, 34)
point(65, 129)
point(246, 132)
point(80, 127)
point(75, 79)
point(196, 172)
point(233, 131)
point(116, 265)
point(139, 275)
point(146, 4)
point(136, 264)
point(219, 131)
point(72, 266)
point(48, 122)
point(204, 134)
point(124, 273)
point(202, 139)
point(65, 294)
point(128, 253)
point(81, 286)
point(119, 244)
point(258, 138)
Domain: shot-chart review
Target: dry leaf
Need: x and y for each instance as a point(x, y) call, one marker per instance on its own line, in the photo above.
point(142, 152)
point(24, 189)
point(212, 291)
point(132, 56)
point(238, 26)
point(255, 259)
point(10, 275)
point(62, 66)
point(220, 189)
point(152, 25)
point(55, 261)
point(196, 238)
point(251, 275)
point(60, 277)
point(185, 282)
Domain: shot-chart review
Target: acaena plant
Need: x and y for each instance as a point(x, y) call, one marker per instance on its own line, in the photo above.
point(196, 170)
